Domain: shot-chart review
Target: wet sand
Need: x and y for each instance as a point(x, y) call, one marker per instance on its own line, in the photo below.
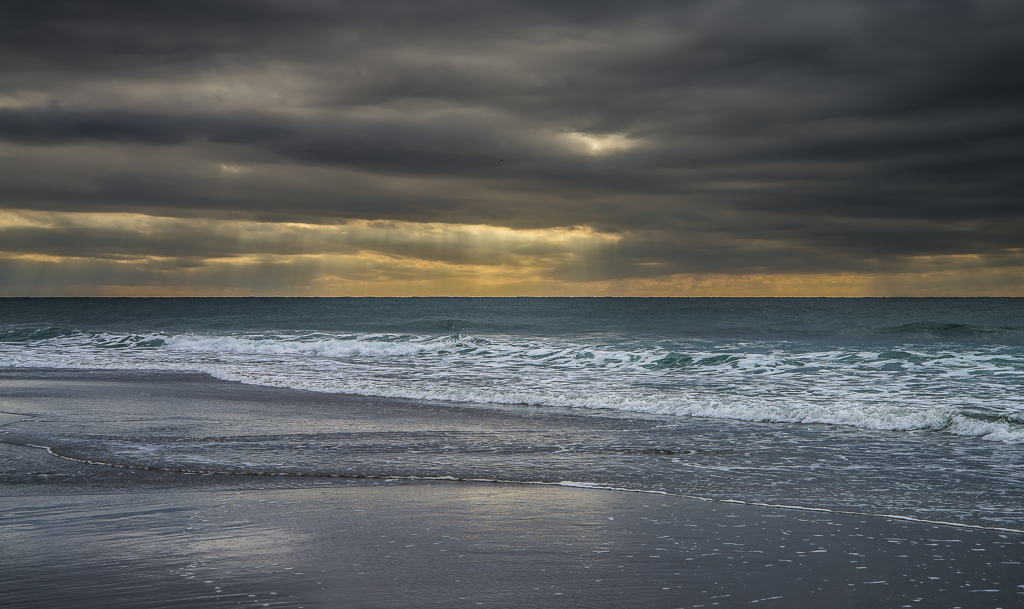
point(128, 538)
point(75, 534)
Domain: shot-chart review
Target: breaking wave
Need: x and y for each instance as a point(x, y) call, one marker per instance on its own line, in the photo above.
point(967, 392)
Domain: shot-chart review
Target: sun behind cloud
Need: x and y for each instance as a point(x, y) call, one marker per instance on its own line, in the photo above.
point(597, 145)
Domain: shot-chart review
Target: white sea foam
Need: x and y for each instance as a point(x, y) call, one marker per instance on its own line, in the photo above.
point(338, 348)
point(969, 393)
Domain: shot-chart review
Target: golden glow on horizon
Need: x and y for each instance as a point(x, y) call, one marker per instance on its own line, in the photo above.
point(120, 254)
point(140, 222)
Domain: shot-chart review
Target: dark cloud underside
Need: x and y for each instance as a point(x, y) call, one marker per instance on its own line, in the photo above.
point(707, 137)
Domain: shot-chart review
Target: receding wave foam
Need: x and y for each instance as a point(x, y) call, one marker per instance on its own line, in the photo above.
point(972, 393)
point(761, 409)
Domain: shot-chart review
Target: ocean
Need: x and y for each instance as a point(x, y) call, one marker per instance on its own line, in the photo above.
point(891, 406)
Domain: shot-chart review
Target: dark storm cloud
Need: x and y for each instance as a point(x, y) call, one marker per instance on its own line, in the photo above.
point(53, 126)
point(788, 136)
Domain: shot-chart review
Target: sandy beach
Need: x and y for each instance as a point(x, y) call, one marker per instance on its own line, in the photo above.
point(336, 304)
point(135, 532)
point(77, 535)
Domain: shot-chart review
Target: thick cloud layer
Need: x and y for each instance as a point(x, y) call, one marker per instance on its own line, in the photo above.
point(733, 138)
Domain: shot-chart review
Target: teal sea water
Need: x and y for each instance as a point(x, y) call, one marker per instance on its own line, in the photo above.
point(901, 406)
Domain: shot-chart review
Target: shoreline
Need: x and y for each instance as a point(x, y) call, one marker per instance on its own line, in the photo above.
point(563, 484)
point(206, 385)
point(167, 539)
point(81, 534)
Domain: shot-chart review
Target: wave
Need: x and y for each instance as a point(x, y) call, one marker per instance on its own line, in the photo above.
point(967, 392)
point(377, 346)
point(454, 325)
point(1006, 428)
point(18, 335)
point(934, 329)
point(564, 354)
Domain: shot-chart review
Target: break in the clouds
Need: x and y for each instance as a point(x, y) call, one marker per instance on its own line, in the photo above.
point(730, 147)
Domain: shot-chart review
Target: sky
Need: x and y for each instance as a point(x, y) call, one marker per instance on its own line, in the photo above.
point(516, 148)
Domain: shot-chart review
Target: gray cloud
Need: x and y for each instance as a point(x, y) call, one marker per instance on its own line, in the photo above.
point(789, 136)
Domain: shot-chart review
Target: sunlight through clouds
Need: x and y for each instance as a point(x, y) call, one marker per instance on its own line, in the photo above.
point(569, 148)
point(266, 257)
point(57, 253)
point(597, 145)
